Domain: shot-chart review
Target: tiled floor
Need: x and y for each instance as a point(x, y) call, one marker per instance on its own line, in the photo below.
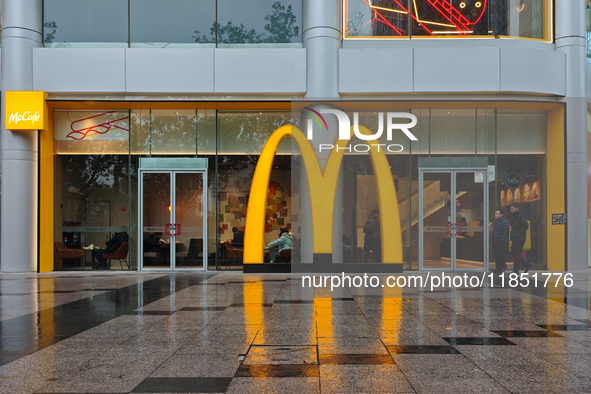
point(119, 332)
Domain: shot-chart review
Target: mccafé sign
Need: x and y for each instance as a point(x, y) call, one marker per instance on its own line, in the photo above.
point(323, 186)
point(25, 111)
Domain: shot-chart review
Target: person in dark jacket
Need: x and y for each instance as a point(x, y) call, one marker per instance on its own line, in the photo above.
point(238, 239)
point(112, 245)
point(372, 244)
point(500, 241)
point(519, 228)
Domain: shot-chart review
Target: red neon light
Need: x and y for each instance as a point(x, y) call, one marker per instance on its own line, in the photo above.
point(445, 9)
point(101, 128)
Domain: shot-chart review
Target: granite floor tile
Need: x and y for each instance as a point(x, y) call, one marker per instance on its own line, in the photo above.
point(446, 373)
point(183, 385)
point(281, 355)
point(279, 385)
point(351, 346)
point(363, 379)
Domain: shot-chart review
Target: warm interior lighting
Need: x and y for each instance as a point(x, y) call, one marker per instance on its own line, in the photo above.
point(168, 207)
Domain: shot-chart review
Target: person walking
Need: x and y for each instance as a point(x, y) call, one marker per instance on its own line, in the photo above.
point(519, 228)
point(500, 241)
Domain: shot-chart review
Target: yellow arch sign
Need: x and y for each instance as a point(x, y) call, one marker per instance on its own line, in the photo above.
point(323, 187)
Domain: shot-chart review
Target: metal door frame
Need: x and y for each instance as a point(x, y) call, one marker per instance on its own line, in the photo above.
point(171, 173)
point(453, 173)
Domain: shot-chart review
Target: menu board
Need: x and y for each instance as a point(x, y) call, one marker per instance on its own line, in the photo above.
point(525, 193)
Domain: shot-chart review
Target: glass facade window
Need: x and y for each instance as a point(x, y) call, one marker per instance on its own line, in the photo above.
point(85, 23)
point(455, 18)
point(588, 15)
point(174, 23)
point(97, 184)
point(260, 21)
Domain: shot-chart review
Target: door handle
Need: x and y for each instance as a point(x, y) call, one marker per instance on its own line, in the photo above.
point(173, 229)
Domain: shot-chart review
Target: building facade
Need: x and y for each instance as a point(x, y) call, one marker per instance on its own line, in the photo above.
point(177, 121)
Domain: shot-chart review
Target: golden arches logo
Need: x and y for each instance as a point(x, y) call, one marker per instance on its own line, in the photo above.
point(322, 185)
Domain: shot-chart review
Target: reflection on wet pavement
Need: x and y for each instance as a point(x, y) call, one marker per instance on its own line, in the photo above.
point(233, 332)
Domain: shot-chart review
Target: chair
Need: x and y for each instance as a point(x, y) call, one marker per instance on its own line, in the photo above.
point(232, 254)
point(194, 255)
point(119, 254)
point(65, 253)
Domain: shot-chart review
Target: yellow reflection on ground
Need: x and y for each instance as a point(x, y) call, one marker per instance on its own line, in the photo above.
point(323, 315)
point(253, 308)
point(46, 304)
point(392, 312)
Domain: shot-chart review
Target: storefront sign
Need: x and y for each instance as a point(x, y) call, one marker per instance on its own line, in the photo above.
point(25, 111)
point(559, 218)
point(323, 185)
point(345, 130)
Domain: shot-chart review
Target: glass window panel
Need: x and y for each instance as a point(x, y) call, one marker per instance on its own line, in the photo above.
point(93, 23)
point(206, 132)
point(172, 23)
point(100, 132)
point(379, 18)
point(140, 132)
point(520, 131)
point(485, 131)
point(453, 131)
point(521, 18)
point(247, 132)
point(588, 14)
point(449, 18)
point(173, 132)
point(421, 131)
point(92, 199)
point(257, 21)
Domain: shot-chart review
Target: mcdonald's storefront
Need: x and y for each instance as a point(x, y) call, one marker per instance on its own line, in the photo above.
point(177, 177)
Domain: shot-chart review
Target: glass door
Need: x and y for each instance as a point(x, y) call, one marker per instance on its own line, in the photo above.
point(189, 213)
point(173, 220)
point(454, 208)
point(435, 246)
point(470, 237)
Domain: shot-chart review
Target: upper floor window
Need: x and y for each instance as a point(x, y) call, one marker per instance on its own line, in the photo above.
point(530, 19)
point(171, 23)
point(588, 14)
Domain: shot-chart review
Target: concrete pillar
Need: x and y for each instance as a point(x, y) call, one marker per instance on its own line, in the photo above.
point(570, 25)
point(322, 34)
point(22, 31)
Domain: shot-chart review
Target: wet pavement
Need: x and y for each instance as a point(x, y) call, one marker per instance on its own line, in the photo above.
point(114, 332)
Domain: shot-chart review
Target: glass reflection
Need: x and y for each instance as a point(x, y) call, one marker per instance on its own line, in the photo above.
point(170, 24)
point(87, 23)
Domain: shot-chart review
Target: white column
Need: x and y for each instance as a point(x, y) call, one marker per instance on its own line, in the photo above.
point(322, 34)
point(570, 39)
point(22, 27)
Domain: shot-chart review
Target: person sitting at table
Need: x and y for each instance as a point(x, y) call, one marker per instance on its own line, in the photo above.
point(112, 245)
point(154, 242)
point(238, 239)
point(285, 241)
